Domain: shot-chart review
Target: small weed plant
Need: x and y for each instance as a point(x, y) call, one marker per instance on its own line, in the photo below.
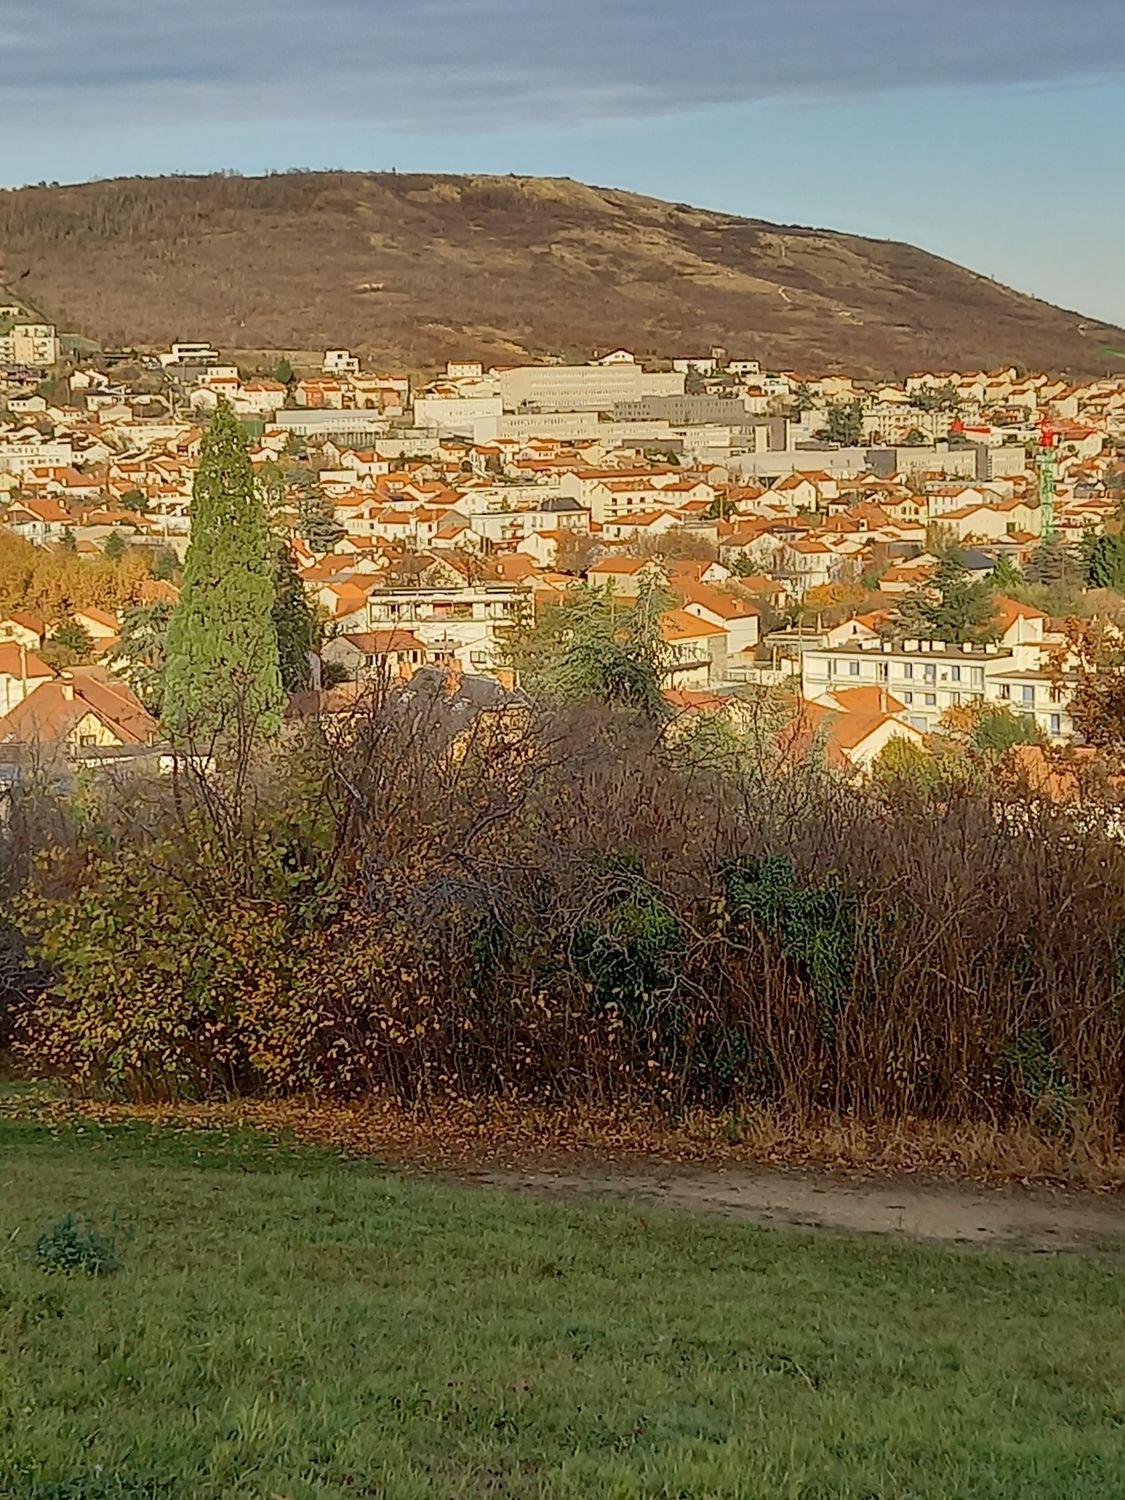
point(76, 1245)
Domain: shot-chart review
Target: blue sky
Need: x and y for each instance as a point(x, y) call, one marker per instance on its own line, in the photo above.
point(988, 131)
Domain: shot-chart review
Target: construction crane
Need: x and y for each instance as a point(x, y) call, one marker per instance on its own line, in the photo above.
point(1045, 463)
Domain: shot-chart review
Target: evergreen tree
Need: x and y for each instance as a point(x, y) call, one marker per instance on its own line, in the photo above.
point(1051, 563)
point(845, 423)
point(114, 546)
point(283, 371)
point(223, 667)
point(1084, 553)
point(270, 483)
point(69, 643)
point(951, 606)
point(803, 399)
point(165, 564)
point(316, 520)
point(593, 646)
point(142, 651)
point(293, 621)
point(68, 542)
point(1105, 566)
point(1005, 576)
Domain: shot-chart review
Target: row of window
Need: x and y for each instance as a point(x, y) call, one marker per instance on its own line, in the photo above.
point(971, 676)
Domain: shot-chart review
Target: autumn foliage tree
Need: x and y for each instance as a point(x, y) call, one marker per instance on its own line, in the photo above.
point(1096, 651)
point(54, 583)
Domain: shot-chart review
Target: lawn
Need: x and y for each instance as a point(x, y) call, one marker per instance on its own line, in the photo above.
point(285, 1324)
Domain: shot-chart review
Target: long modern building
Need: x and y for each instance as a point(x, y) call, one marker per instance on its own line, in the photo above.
point(931, 677)
point(582, 387)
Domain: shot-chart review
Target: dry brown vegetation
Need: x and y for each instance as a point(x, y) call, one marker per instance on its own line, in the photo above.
point(412, 269)
point(574, 912)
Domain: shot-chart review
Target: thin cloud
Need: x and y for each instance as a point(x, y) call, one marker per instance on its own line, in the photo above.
point(442, 65)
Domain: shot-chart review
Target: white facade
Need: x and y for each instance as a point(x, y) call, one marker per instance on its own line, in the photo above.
point(34, 344)
point(931, 677)
point(575, 388)
point(340, 362)
point(456, 413)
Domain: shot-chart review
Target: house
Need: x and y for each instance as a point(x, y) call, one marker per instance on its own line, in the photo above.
point(865, 699)
point(462, 626)
point(1019, 623)
point(83, 709)
point(930, 677)
point(102, 627)
point(696, 649)
point(340, 362)
point(625, 575)
point(857, 628)
point(729, 609)
point(851, 739)
point(810, 563)
point(37, 521)
point(21, 672)
point(375, 653)
point(25, 629)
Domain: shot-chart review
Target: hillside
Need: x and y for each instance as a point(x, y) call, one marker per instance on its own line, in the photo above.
point(413, 269)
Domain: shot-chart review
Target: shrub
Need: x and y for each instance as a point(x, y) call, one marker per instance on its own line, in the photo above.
point(567, 907)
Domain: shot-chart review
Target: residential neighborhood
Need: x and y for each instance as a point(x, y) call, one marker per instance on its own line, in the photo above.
point(787, 519)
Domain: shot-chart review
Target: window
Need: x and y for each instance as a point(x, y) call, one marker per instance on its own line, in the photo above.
point(831, 669)
point(929, 672)
point(908, 670)
point(1056, 725)
point(931, 700)
point(853, 669)
point(955, 674)
point(908, 697)
point(881, 671)
point(87, 739)
point(1029, 695)
point(478, 658)
point(1005, 692)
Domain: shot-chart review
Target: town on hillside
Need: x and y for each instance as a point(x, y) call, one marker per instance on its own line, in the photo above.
point(892, 562)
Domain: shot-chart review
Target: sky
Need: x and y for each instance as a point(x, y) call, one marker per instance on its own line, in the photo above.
point(988, 131)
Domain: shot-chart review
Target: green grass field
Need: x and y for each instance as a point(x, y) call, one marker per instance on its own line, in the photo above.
point(285, 1324)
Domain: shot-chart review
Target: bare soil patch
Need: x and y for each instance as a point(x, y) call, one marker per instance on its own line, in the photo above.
point(1042, 1220)
point(1004, 1189)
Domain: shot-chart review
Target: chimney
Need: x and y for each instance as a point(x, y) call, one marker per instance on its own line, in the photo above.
point(884, 707)
point(66, 685)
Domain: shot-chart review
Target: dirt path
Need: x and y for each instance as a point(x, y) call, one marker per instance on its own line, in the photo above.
point(1035, 1219)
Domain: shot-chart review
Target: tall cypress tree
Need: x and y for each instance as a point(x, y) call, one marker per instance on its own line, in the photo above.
point(223, 665)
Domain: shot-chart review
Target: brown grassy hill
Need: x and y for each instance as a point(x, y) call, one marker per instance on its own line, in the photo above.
point(412, 269)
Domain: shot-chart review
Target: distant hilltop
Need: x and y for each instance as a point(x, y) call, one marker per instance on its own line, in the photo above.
point(415, 269)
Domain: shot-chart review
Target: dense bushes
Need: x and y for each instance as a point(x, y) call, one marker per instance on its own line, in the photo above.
point(569, 908)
